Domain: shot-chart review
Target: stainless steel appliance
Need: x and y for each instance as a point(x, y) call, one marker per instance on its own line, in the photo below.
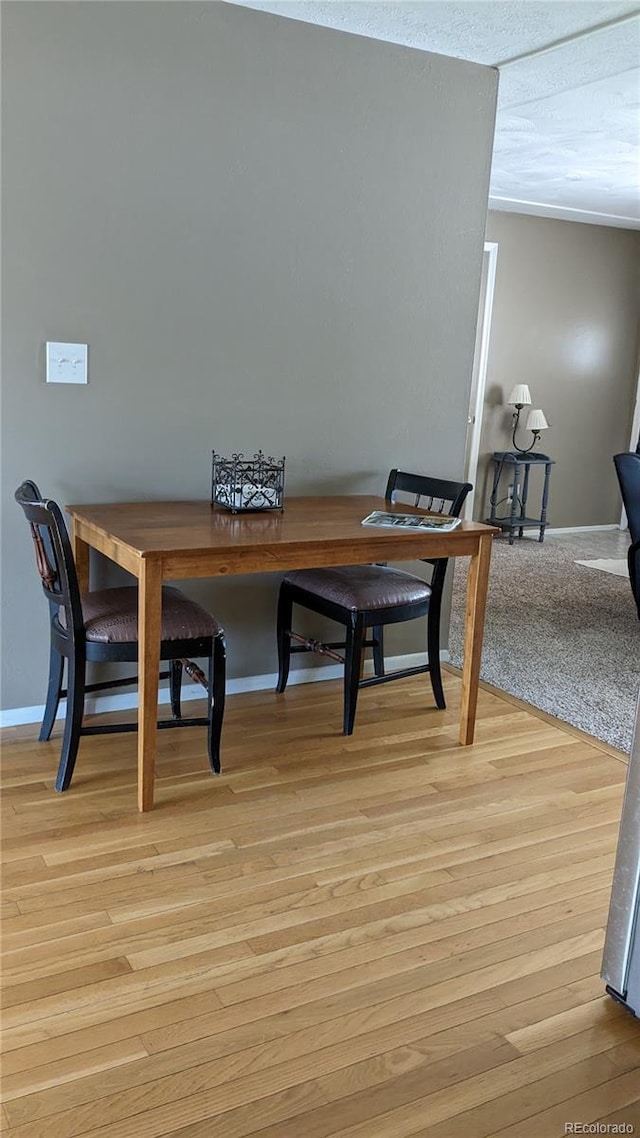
point(621, 958)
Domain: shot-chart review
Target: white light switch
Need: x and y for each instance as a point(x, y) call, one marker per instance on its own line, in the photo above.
point(66, 363)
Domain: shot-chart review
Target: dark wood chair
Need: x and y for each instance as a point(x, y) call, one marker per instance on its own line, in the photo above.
point(363, 597)
point(627, 467)
point(102, 627)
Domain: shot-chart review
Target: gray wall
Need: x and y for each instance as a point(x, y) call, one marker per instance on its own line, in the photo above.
point(565, 321)
point(269, 234)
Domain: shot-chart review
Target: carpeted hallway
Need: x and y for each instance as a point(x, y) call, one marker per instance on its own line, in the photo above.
point(564, 637)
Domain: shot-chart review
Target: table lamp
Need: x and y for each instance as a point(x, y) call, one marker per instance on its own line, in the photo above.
point(536, 421)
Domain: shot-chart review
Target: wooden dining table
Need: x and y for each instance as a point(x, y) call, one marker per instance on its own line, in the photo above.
point(160, 541)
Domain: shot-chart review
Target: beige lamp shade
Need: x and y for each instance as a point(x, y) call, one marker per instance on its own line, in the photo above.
point(520, 394)
point(536, 421)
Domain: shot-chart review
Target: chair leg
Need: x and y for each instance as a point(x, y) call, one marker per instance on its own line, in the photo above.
point(73, 721)
point(378, 650)
point(54, 687)
point(217, 680)
point(352, 659)
point(283, 627)
point(175, 684)
point(433, 650)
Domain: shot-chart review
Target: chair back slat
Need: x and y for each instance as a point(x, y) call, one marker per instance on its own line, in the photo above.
point(47, 571)
point(439, 495)
point(53, 554)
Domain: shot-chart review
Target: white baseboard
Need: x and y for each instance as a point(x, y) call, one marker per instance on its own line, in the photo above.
point(96, 705)
point(580, 529)
point(565, 529)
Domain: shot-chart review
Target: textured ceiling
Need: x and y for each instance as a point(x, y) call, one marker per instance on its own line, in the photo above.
point(567, 140)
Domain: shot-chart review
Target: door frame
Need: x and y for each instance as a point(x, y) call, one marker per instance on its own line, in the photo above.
point(479, 377)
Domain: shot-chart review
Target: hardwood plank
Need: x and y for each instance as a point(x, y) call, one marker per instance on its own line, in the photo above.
point(628, 1116)
point(52, 1049)
point(390, 1032)
point(460, 953)
point(22, 870)
point(437, 838)
point(485, 892)
point(538, 982)
point(96, 1003)
point(381, 938)
point(106, 893)
point(113, 864)
point(519, 1111)
point(340, 937)
point(51, 924)
point(441, 1105)
point(613, 1092)
point(401, 1007)
point(70, 1069)
point(545, 717)
point(304, 906)
point(591, 1016)
point(588, 989)
point(279, 1110)
point(357, 1093)
point(164, 1075)
point(57, 982)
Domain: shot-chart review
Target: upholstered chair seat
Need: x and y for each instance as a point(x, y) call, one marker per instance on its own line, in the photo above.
point(111, 616)
point(362, 587)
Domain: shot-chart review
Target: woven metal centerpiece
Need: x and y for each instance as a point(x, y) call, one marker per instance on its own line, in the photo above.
point(240, 483)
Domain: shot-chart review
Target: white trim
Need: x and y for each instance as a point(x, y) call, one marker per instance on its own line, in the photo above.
point(480, 365)
point(563, 213)
point(579, 529)
point(635, 425)
point(18, 716)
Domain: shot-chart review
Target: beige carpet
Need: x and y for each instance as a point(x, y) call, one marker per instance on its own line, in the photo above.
point(558, 635)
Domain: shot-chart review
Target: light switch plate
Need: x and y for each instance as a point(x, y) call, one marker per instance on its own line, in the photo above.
point(66, 363)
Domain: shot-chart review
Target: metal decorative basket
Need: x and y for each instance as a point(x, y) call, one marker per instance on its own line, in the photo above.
point(240, 483)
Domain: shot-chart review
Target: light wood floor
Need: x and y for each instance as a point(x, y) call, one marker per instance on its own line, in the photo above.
point(372, 938)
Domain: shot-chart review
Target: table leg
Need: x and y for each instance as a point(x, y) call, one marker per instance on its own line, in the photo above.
point(149, 626)
point(515, 490)
point(523, 500)
point(81, 557)
point(494, 489)
point(545, 499)
point(477, 585)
